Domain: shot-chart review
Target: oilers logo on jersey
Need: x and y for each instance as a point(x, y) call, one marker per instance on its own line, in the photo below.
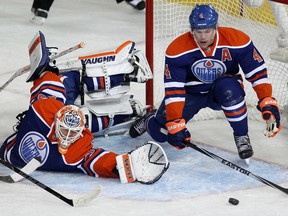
point(208, 70)
point(33, 145)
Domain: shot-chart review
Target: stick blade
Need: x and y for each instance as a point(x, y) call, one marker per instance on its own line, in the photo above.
point(87, 197)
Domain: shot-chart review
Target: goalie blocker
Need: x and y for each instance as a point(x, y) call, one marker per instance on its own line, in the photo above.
point(145, 164)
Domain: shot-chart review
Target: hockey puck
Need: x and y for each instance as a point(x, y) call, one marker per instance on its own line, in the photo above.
point(233, 201)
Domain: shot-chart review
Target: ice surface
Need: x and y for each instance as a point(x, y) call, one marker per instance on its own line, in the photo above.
point(193, 185)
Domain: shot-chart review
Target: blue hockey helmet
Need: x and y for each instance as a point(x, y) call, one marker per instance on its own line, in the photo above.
point(203, 17)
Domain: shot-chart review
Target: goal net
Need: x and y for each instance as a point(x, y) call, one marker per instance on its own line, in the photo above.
point(167, 19)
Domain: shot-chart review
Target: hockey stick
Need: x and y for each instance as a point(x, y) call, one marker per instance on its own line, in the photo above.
point(72, 202)
point(29, 168)
point(27, 68)
point(236, 167)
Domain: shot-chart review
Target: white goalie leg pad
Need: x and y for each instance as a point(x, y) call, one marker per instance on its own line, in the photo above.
point(116, 91)
point(110, 106)
point(109, 70)
point(115, 62)
point(147, 163)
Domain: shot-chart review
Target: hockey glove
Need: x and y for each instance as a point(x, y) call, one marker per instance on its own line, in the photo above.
point(177, 133)
point(270, 113)
point(145, 164)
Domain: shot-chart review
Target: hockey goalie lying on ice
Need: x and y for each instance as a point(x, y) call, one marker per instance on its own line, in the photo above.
point(55, 129)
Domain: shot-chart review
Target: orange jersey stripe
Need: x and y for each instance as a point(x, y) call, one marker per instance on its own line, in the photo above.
point(45, 87)
point(264, 73)
point(232, 114)
point(175, 92)
point(34, 45)
point(48, 76)
point(102, 83)
point(106, 53)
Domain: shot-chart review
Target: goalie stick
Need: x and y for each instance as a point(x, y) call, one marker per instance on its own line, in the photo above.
point(72, 202)
point(25, 69)
point(236, 167)
point(29, 168)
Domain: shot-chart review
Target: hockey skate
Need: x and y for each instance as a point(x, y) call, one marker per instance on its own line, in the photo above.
point(244, 147)
point(139, 126)
point(137, 4)
point(39, 16)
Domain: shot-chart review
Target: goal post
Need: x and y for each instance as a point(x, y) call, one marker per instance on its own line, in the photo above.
point(167, 19)
point(149, 49)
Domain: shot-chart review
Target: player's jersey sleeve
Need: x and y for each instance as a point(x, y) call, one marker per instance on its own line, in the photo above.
point(175, 74)
point(255, 70)
point(49, 85)
point(92, 161)
point(249, 58)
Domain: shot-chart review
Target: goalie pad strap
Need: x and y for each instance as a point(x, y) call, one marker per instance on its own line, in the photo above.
point(125, 168)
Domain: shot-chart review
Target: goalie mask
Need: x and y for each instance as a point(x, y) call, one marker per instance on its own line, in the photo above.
point(69, 121)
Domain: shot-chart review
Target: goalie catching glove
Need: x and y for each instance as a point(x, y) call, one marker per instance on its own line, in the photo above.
point(177, 133)
point(270, 113)
point(145, 164)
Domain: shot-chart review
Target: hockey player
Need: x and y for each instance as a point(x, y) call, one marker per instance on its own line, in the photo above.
point(137, 4)
point(40, 9)
point(56, 133)
point(202, 70)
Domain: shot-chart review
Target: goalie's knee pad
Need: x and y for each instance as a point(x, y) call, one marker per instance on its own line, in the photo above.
point(228, 91)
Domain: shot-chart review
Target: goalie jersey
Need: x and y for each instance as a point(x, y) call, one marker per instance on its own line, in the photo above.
point(190, 69)
point(36, 136)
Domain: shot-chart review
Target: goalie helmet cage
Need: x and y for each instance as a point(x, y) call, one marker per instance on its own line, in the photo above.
point(167, 19)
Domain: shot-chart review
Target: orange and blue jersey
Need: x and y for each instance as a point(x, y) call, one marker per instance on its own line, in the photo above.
point(48, 85)
point(192, 70)
point(36, 136)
